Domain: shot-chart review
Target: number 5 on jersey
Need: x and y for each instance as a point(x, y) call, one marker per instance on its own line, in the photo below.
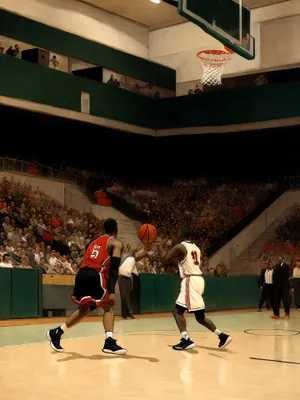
point(95, 252)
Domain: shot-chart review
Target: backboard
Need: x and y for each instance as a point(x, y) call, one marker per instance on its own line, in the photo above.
point(226, 20)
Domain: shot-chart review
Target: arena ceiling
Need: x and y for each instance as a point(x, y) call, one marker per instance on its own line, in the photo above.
point(156, 16)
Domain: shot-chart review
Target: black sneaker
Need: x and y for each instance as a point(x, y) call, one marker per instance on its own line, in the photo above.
point(185, 344)
point(259, 310)
point(224, 340)
point(130, 316)
point(54, 336)
point(111, 347)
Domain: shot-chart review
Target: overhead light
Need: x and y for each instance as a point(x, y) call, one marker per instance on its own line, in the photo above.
point(156, 1)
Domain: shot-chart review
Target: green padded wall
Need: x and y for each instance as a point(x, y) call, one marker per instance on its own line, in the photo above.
point(56, 40)
point(5, 293)
point(159, 292)
point(147, 298)
point(25, 293)
point(20, 293)
point(231, 107)
point(39, 84)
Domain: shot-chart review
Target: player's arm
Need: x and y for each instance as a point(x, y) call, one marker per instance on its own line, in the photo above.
point(141, 254)
point(117, 247)
point(177, 253)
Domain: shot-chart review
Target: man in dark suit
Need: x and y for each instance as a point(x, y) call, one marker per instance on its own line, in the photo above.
point(281, 285)
point(266, 287)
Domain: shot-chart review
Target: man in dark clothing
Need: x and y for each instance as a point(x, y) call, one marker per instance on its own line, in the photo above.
point(266, 287)
point(281, 287)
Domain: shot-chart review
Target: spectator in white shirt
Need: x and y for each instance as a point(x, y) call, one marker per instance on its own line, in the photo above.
point(67, 265)
point(41, 227)
point(266, 287)
point(52, 259)
point(25, 263)
point(6, 263)
point(296, 284)
point(9, 248)
point(126, 269)
point(6, 225)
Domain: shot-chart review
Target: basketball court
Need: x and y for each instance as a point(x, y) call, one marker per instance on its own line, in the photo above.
point(263, 360)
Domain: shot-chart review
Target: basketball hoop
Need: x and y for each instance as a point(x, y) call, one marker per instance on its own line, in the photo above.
point(213, 63)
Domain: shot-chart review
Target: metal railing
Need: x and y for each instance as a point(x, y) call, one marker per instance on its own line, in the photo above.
point(25, 167)
point(294, 182)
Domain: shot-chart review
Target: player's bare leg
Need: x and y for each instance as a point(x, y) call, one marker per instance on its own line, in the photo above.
point(185, 343)
point(224, 339)
point(54, 335)
point(108, 319)
point(78, 315)
point(110, 345)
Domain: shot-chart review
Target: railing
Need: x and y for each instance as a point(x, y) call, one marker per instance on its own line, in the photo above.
point(25, 167)
point(294, 182)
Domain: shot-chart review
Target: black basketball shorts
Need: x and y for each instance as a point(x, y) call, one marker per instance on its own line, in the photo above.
point(90, 287)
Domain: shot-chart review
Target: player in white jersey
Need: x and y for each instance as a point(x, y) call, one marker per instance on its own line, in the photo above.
point(190, 299)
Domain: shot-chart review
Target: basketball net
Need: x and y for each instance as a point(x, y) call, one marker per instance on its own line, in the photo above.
point(213, 63)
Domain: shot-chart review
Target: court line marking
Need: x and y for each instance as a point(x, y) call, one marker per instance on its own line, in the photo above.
point(277, 361)
point(248, 331)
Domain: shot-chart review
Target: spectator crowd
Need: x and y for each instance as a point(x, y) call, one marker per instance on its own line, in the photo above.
point(209, 208)
point(287, 240)
point(38, 232)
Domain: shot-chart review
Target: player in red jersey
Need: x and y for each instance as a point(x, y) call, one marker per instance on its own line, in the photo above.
point(95, 287)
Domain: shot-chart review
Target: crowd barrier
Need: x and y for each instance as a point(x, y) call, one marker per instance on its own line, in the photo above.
point(20, 293)
point(25, 294)
point(159, 292)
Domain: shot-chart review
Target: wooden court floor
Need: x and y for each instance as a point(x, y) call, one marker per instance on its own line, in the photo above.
point(263, 360)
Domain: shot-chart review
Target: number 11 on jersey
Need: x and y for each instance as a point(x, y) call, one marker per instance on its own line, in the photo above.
point(195, 257)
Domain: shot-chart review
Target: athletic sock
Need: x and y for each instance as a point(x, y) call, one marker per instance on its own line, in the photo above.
point(109, 335)
point(217, 332)
point(185, 335)
point(64, 328)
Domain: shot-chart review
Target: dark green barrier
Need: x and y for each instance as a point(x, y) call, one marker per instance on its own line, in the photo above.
point(252, 104)
point(48, 86)
point(45, 85)
point(58, 41)
point(159, 292)
point(20, 293)
point(5, 293)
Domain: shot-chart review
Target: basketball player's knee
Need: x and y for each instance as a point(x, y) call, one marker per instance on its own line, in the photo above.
point(178, 311)
point(200, 316)
point(108, 309)
point(85, 309)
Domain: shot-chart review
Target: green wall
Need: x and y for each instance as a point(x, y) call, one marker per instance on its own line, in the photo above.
point(246, 105)
point(20, 293)
point(28, 81)
point(39, 84)
point(56, 40)
point(159, 292)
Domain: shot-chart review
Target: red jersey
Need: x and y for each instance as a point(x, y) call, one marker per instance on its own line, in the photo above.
point(97, 256)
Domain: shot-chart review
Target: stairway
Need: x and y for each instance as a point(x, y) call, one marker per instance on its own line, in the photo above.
point(250, 261)
point(76, 198)
point(127, 227)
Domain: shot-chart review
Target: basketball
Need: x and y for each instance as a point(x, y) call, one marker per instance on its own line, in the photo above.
point(147, 233)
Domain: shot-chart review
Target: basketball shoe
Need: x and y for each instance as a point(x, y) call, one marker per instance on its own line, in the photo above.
point(185, 344)
point(54, 336)
point(111, 347)
point(224, 340)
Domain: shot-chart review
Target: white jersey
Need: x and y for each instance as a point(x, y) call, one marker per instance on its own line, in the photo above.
point(191, 264)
